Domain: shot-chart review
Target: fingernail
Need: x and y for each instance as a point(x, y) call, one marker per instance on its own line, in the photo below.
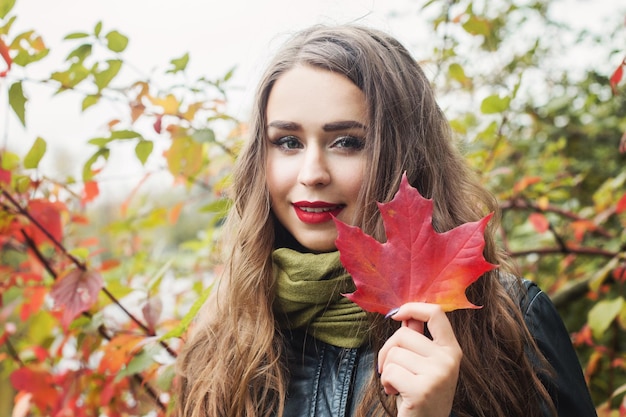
point(392, 312)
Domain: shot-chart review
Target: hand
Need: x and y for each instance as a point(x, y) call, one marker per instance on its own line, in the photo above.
point(422, 372)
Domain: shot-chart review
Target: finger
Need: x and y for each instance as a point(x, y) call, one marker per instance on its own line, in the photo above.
point(408, 359)
point(405, 338)
point(438, 323)
point(394, 377)
point(415, 325)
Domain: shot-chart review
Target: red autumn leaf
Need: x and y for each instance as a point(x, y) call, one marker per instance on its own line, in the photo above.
point(416, 264)
point(118, 352)
point(74, 292)
point(151, 311)
point(583, 337)
point(47, 214)
point(5, 176)
point(621, 205)
point(35, 297)
point(4, 53)
point(619, 273)
point(581, 227)
point(617, 75)
point(524, 183)
point(109, 264)
point(539, 222)
point(90, 192)
point(158, 123)
point(175, 213)
point(39, 383)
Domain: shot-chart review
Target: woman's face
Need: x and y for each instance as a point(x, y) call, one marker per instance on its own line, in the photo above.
point(316, 125)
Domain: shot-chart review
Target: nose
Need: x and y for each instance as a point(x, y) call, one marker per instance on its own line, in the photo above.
point(314, 170)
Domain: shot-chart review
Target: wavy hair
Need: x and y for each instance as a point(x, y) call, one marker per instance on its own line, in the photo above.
point(233, 365)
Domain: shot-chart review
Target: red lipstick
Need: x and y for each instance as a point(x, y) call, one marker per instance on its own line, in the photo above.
point(316, 211)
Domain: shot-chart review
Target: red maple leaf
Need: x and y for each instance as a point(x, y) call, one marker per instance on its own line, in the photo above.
point(416, 264)
point(74, 292)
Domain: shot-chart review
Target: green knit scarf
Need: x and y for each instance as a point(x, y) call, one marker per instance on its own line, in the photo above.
point(308, 295)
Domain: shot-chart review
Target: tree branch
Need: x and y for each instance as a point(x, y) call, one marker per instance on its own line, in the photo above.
point(565, 251)
point(519, 203)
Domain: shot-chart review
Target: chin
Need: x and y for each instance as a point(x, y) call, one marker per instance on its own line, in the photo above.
point(320, 247)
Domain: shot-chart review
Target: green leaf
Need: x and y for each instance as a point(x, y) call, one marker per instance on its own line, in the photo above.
point(124, 134)
point(76, 35)
point(22, 183)
point(185, 157)
point(602, 315)
point(90, 100)
point(72, 77)
point(80, 253)
point(5, 7)
point(118, 288)
point(17, 100)
point(229, 74)
point(191, 314)
point(157, 278)
point(477, 26)
point(599, 276)
point(494, 104)
point(34, 155)
point(179, 63)
point(100, 142)
point(116, 42)
point(221, 206)
point(97, 29)
point(204, 136)
point(457, 72)
point(139, 363)
point(100, 153)
point(103, 78)
point(24, 58)
point(81, 52)
point(166, 377)
point(143, 150)
point(39, 326)
point(154, 218)
point(4, 30)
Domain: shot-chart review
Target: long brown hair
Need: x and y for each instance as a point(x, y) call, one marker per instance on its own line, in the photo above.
point(233, 364)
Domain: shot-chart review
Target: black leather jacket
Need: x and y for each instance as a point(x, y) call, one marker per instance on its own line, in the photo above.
point(325, 380)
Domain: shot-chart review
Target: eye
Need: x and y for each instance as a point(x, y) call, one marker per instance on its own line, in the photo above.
point(349, 143)
point(287, 143)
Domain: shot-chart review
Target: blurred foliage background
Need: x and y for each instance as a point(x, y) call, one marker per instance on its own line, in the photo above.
point(96, 296)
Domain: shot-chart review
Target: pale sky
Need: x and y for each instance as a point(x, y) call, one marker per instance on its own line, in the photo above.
point(217, 34)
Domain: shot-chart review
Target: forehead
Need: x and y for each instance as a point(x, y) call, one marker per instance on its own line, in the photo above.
point(313, 93)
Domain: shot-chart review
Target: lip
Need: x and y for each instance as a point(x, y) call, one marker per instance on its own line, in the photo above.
point(314, 212)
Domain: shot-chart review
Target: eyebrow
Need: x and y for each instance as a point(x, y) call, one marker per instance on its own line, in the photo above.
point(328, 127)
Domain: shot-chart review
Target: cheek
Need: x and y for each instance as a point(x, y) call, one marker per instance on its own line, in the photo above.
point(276, 182)
point(356, 177)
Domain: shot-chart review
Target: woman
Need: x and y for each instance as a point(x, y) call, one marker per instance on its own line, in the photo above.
point(340, 114)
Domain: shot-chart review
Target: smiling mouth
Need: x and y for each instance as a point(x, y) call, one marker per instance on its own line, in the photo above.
point(317, 212)
point(319, 209)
